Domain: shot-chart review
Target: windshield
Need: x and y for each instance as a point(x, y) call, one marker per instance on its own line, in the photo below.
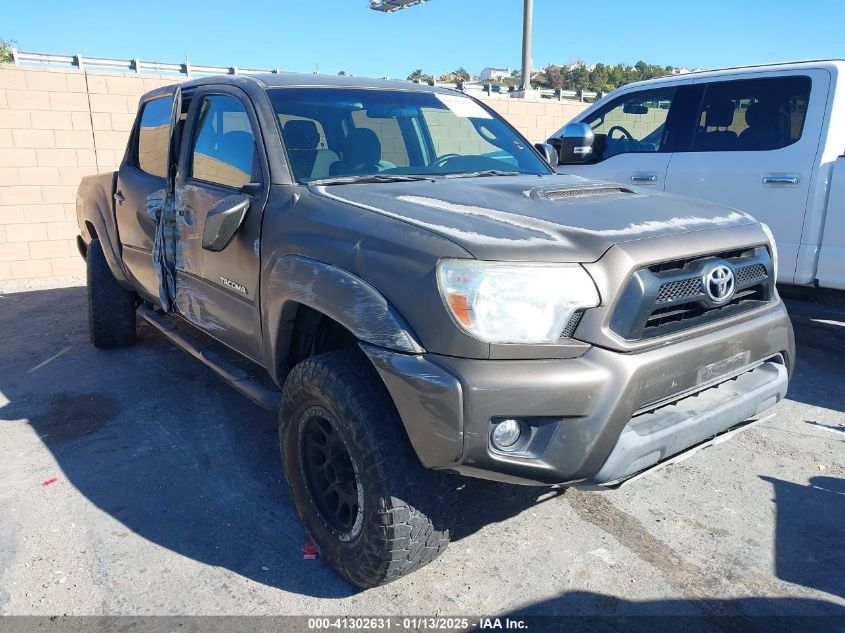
point(343, 133)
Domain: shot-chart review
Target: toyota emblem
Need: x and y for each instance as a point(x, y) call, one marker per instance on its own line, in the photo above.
point(720, 284)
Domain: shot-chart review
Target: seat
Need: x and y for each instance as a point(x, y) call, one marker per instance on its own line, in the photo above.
point(719, 114)
point(301, 138)
point(361, 154)
point(308, 160)
point(766, 126)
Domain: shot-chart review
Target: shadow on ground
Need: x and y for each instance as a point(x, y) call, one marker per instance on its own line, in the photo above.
point(155, 440)
point(587, 612)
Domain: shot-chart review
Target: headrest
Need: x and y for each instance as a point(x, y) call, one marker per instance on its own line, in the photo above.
point(362, 147)
point(301, 134)
point(720, 114)
point(762, 114)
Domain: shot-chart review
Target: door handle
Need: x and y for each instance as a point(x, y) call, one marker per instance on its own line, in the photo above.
point(781, 180)
point(119, 197)
point(644, 179)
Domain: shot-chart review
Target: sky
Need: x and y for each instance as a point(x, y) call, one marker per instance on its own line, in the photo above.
point(439, 36)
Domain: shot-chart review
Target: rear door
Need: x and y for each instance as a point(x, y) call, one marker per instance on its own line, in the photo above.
point(142, 189)
point(221, 189)
point(632, 139)
point(753, 146)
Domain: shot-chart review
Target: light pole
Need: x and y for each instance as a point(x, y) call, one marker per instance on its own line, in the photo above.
point(389, 6)
point(528, 10)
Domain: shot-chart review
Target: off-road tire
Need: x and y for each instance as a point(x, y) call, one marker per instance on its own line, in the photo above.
point(111, 308)
point(408, 510)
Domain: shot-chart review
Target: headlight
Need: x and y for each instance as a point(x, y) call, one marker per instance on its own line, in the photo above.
point(773, 245)
point(500, 302)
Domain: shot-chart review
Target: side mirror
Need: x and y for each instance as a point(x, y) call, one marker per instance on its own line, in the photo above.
point(223, 221)
point(548, 152)
point(576, 144)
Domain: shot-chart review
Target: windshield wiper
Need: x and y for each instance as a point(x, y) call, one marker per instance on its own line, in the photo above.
point(367, 178)
point(484, 172)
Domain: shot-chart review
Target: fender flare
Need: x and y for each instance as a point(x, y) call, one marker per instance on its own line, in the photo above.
point(340, 295)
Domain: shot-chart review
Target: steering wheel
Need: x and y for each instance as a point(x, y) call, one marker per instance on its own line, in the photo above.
point(625, 133)
point(441, 161)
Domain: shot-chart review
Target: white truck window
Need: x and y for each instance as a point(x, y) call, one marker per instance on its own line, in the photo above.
point(634, 122)
point(752, 115)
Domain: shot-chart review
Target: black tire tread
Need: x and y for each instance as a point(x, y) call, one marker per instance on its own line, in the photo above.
point(411, 523)
point(111, 308)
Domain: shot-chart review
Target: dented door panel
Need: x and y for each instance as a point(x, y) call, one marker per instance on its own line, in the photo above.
point(218, 290)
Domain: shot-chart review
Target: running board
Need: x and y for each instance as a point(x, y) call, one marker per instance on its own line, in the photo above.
point(235, 376)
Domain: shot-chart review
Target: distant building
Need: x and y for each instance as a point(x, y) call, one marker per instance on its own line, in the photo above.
point(494, 74)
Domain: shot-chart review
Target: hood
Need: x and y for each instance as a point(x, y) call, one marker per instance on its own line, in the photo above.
point(536, 218)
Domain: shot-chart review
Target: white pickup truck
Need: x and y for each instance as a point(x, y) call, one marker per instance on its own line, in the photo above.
point(768, 140)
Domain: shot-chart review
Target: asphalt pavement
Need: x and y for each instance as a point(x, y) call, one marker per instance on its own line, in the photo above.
point(134, 482)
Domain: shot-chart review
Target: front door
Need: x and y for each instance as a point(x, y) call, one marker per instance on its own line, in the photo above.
point(223, 172)
point(753, 147)
point(631, 140)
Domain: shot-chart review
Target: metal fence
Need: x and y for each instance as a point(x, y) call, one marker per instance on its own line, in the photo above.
point(187, 69)
point(129, 65)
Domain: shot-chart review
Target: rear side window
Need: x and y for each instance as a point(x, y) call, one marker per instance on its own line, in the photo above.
point(224, 150)
point(635, 122)
point(752, 114)
point(153, 136)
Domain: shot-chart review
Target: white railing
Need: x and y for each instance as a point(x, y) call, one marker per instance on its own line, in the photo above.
point(187, 69)
point(478, 87)
point(129, 65)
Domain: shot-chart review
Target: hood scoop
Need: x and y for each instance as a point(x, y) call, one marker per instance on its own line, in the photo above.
point(555, 195)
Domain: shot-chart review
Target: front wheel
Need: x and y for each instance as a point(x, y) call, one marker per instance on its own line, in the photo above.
point(374, 512)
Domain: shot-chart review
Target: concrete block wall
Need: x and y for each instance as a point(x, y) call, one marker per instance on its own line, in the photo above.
point(58, 125)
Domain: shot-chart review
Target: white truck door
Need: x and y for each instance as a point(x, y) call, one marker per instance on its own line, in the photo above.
point(631, 144)
point(754, 147)
point(831, 269)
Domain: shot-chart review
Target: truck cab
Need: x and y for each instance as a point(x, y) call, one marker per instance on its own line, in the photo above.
point(768, 140)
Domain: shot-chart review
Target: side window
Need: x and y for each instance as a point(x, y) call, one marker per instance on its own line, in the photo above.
point(224, 150)
point(153, 137)
point(389, 134)
point(752, 115)
point(632, 123)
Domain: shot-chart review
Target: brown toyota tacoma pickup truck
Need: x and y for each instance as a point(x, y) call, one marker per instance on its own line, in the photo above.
point(424, 297)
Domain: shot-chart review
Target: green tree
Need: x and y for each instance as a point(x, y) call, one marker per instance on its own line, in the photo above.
point(419, 75)
point(341, 73)
point(461, 74)
point(6, 47)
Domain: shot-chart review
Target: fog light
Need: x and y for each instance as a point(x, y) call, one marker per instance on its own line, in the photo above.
point(506, 433)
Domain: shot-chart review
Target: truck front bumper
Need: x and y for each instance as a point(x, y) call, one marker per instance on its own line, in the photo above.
point(592, 420)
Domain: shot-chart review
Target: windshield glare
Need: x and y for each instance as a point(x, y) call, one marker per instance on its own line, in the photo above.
point(342, 132)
